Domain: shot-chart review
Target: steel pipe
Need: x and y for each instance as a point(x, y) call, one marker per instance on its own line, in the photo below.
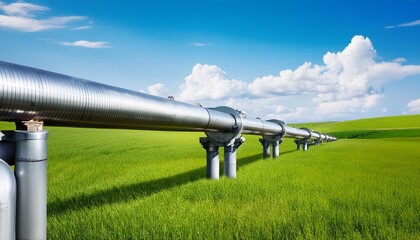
point(58, 100)
point(31, 184)
point(33, 94)
point(7, 202)
point(229, 160)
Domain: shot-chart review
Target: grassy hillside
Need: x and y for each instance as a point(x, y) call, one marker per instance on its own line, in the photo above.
point(121, 184)
point(383, 127)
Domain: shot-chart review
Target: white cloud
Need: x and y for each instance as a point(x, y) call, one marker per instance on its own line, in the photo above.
point(21, 8)
point(338, 108)
point(25, 17)
point(294, 115)
point(210, 82)
point(407, 24)
point(414, 106)
point(87, 44)
point(280, 109)
point(303, 79)
point(157, 89)
point(201, 44)
point(82, 28)
point(347, 82)
point(347, 74)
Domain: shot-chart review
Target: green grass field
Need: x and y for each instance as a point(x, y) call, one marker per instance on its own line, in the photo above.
point(126, 184)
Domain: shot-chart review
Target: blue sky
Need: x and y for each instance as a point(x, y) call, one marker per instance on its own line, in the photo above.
point(293, 60)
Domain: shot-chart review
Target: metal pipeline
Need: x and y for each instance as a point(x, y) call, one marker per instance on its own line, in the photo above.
point(33, 94)
point(58, 100)
point(7, 202)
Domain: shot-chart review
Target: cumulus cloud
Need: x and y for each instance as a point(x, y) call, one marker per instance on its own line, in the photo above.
point(341, 107)
point(157, 89)
point(407, 24)
point(414, 106)
point(348, 81)
point(87, 44)
point(210, 82)
point(27, 17)
point(347, 74)
point(21, 8)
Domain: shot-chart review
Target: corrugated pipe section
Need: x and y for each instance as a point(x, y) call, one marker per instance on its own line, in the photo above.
point(32, 94)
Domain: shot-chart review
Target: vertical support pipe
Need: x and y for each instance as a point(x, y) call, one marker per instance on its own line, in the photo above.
point(230, 157)
point(276, 149)
point(8, 150)
point(230, 161)
point(297, 144)
point(31, 179)
point(266, 148)
point(305, 146)
point(7, 202)
point(213, 171)
point(212, 155)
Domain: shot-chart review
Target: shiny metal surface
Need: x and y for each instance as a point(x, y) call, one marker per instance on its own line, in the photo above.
point(28, 93)
point(7, 202)
point(31, 184)
point(296, 132)
point(58, 100)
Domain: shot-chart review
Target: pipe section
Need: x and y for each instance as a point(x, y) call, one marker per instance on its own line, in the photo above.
point(229, 160)
point(55, 99)
point(31, 179)
point(7, 202)
point(33, 94)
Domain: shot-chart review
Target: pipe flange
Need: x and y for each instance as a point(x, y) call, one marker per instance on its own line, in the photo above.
point(309, 131)
point(278, 137)
point(227, 138)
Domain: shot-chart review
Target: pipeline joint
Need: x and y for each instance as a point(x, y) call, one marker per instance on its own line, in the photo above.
point(227, 138)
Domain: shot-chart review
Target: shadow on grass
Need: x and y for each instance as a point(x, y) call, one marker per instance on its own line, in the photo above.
point(127, 193)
